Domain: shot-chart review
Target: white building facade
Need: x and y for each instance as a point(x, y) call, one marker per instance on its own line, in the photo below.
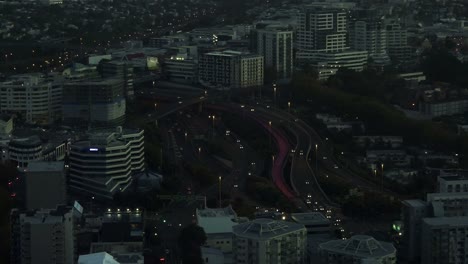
point(34, 97)
point(275, 44)
point(106, 162)
point(269, 241)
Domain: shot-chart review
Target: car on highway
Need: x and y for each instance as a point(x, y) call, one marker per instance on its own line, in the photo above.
point(238, 141)
point(301, 152)
point(236, 186)
point(180, 102)
point(307, 182)
point(252, 110)
point(325, 158)
point(335, 166)
point(241, 147)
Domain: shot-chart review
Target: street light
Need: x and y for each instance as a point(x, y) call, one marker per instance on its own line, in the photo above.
point(316, 158)
point(289, 107)
point(219, 180)
point(382, 166)
point(274, 92)
point(199, 152)
point(185, 137)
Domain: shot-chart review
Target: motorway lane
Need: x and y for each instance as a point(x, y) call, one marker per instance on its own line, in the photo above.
point(280, 158)
point(302, 176)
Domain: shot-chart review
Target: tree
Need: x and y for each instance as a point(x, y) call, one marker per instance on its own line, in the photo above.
point(191, 238)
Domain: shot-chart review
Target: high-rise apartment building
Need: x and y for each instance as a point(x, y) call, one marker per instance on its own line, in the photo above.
point(269, 241)
point(99, 102)
point(322, 30)
point(105, 163)
point(230, 69)
point(34, 97)
point(43, 236)
point(275, 44)
point(444, 240)
point(322, 42)
point(370, 34)
point(45, 184)
point(397, 41)
point(358, 249)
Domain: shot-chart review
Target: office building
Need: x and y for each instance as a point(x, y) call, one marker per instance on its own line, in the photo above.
point(315, 223)
point(358, 249)
point(230, 69)
point(99, 102)
point(218, 224)
point(43, 236)
point(269, 241)
point(181, 68)
point(322, 42)
point(32, 148)
point(105, 162)
point(35, 98)
point(121, 70)
point(370, 35)
point(453, 183)
point(275, 44)
point(413, 212)
point(444, 240)
point(45, 184)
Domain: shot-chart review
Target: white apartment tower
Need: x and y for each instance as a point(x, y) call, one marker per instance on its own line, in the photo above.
point(230, 69)
point(370, 35)
point(275, 44)
point(34, 97)
point(269, 241)
point(322, 42)
point(322, 30)
point(105, 163)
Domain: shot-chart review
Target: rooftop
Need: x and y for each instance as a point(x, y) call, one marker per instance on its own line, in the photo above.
point(264, 228)
point(360, 246)
point(415, 203)
point(217, 220)
point(39, 166)
point(456, 221)
point(97, 258)
point(310, 218)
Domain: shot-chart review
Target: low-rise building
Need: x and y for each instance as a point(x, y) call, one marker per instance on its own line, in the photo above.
point(269, 241)
point(315, 223)
point(181, 68)
point(218, 224)
point(453, 183)
point(358, 249)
